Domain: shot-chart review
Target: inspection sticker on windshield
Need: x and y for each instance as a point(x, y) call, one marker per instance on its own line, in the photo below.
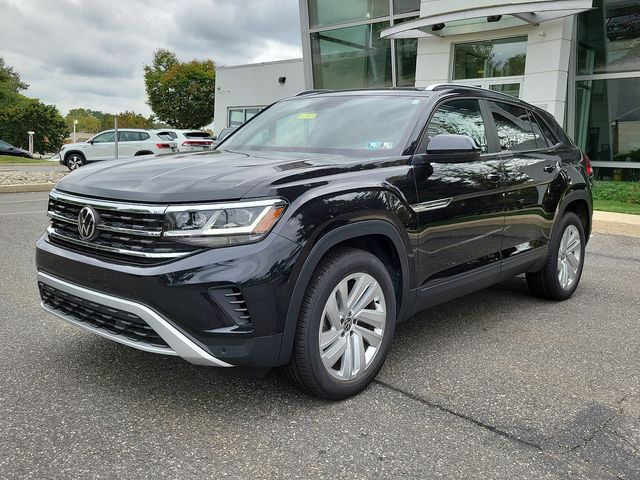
point(379, 145)
point(307, 116)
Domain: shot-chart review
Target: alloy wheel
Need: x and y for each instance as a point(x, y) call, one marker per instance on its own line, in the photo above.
point(569, 257)
point(352, 326)
point(74, 162)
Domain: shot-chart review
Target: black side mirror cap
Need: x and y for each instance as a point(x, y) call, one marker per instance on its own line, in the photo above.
point(445, 148)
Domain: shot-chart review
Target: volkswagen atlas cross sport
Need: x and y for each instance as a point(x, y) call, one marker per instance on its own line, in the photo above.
point(313, 229)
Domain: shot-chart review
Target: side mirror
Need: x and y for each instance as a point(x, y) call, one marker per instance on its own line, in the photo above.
point(446, 148)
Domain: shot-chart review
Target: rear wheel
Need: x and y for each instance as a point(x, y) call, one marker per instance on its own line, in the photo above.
point(346, 325)
point(561, 274)
point(74, 161)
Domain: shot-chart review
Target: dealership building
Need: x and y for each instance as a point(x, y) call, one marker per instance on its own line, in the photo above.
point(578, 59)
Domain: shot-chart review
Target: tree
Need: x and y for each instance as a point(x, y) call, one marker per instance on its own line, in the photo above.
point(32, 115)
point(10, 85)
point(133, 120)
point(87, 121)
point(180, 94)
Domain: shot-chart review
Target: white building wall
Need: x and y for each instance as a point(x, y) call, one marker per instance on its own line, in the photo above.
point(547, 63)
point(255, 85)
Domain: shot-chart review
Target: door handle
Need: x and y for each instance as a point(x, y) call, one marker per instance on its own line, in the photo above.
point(552, 167)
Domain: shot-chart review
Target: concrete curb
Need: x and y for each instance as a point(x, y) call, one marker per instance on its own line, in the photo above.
point(27, 187)
point(616, 224)
point(53, 164)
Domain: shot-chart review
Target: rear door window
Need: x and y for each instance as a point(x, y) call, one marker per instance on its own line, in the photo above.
point(548, 136)
point(514, 129)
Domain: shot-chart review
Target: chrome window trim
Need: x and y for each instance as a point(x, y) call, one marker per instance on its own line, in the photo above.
point(180, 344)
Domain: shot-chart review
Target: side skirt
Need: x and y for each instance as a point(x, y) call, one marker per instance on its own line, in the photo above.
point(443, 290)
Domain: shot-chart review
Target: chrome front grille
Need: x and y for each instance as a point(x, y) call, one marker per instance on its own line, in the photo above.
point(124, 231)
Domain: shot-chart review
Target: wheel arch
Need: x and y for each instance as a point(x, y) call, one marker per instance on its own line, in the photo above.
point(378, 237)
point(143, 152)
point(70, 152)
point(578, 201)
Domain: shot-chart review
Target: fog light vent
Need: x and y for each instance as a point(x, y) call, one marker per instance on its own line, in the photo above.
point(232, 303)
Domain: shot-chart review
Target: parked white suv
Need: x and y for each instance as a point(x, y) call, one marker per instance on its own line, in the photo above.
point(188, 140)
point(131, 142)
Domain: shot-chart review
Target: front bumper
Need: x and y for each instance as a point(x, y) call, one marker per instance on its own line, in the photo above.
point(178, 343)
point(180, 299)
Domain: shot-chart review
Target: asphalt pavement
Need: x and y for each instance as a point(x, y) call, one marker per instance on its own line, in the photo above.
point(497, 385)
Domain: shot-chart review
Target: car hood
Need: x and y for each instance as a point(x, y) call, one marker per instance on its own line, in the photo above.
point(200, 177)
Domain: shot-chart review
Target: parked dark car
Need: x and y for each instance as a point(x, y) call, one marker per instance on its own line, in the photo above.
point(8, 149)
point(308, 234)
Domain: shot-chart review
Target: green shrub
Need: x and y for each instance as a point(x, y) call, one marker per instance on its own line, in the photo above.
point(625, 192)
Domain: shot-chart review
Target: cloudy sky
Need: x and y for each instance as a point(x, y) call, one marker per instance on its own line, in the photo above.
point(90, 53)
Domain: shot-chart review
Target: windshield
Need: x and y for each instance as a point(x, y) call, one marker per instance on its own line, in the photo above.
point(346, 125)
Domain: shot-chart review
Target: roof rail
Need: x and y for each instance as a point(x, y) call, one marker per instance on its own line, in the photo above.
point(459, 86)
point(443, 86)
point(312, 92)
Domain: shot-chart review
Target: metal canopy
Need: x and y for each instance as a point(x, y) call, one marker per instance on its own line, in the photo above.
point(480, 19)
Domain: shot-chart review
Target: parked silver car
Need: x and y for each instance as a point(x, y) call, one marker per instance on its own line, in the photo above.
point(131, 142)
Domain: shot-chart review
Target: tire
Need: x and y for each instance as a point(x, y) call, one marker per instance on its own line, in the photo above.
point(367, 328)
point(74, 160)
point(560, 276)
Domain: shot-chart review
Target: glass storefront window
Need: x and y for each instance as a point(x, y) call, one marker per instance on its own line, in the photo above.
point(406, 55)
point(331, 12)
point(609, 37)
point(406, 6)
point(512, 89)
point(495, 58)
point(352, 57)
point(608, 119)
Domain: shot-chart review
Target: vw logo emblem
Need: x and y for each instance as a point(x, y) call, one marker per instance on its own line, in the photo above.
point(87, 223)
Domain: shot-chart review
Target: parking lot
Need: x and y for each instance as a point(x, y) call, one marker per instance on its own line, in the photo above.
point(495, 385)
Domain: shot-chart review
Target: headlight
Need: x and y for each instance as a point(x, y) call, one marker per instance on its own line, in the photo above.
point(223, 224)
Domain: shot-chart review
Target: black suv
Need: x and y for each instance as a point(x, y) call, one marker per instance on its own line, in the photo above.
point(317, 226)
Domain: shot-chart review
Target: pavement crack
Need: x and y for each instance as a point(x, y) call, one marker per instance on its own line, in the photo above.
point(463, 416)
point(586, 441)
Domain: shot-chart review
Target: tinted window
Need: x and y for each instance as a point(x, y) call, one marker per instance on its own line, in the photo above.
point(360, 125)
point(126, 136)
point(513, 127)
point(459, 117)
point(105, 137)
point(144, 136)
point(197, 135)
point(543, 130)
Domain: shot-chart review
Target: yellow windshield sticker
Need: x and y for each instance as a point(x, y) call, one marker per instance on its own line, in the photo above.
point(307, 116)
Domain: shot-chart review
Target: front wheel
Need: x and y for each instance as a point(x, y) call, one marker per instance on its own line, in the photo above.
point(346, 325)
point(561, 274)
point(74, 161)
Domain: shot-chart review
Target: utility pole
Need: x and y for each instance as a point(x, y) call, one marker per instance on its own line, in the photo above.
point(75, 122)
point(115, 126)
